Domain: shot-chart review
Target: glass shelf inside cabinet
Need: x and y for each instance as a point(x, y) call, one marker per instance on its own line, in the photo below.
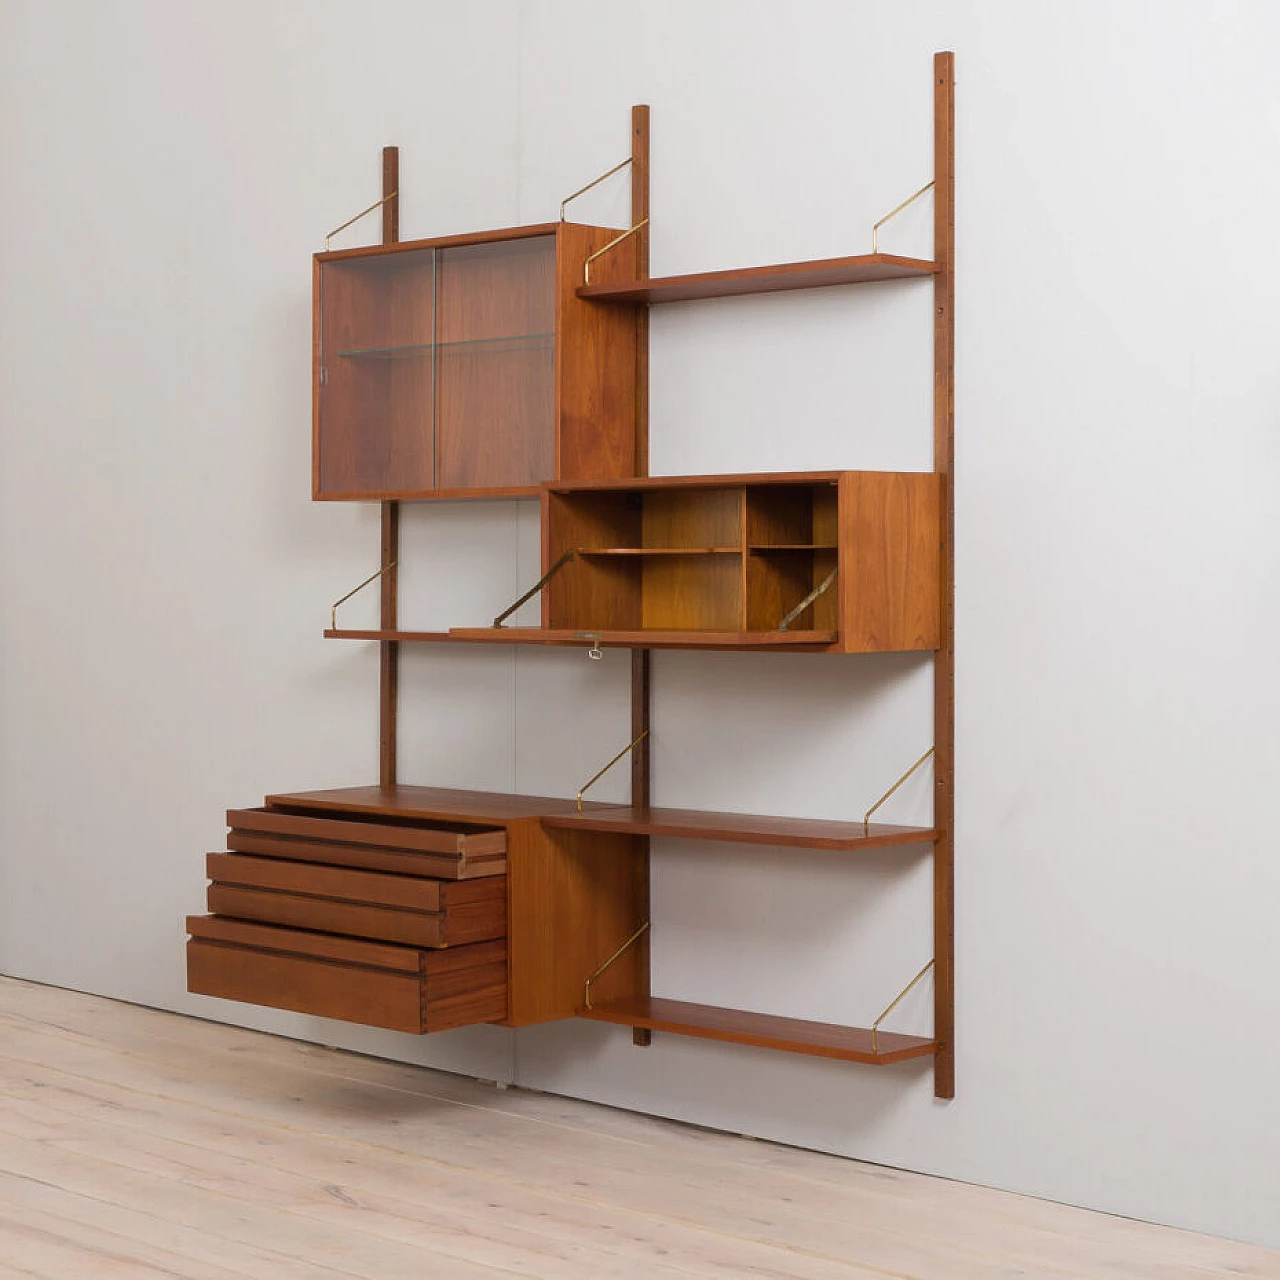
point(421, 350)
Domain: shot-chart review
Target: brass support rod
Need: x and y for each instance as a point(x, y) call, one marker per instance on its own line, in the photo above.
point(875, 1026)
point(373, 577)
point(595, 182)
point(635, 742)
point(377, 204)
point(537, 586)
point(866, 817)
point(807, 601)
point(631, 941)
point(893, 213)
point(586, 266)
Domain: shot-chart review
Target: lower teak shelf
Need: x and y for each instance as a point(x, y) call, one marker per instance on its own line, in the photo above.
point(794, 1035)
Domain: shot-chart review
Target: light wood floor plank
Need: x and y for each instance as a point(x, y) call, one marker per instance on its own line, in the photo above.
point(148, 1029)
point(257, 1151)
point(91, 1018)
point(813, 1218)
point(208, 1152)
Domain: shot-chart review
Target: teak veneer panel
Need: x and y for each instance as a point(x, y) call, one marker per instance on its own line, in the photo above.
point(401, 845)
point(395, 988)
point(319, 946)
point(775, 278)
point(804, 641)
point(890, 533)
point(764, 1031)
point(390, 908)
point(436, 804)
point(743, 828)
point(575, 897)
point(408, 893)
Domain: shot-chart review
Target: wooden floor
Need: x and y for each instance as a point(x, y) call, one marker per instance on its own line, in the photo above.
point(139, 1143)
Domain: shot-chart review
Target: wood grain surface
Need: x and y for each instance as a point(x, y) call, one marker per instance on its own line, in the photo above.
point(140, 1143)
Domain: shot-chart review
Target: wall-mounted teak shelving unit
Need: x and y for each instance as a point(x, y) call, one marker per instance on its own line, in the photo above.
point(515, 363)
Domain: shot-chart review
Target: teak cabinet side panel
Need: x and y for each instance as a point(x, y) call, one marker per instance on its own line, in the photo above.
point(889, 561)
point(575, 897)
point(595, 362)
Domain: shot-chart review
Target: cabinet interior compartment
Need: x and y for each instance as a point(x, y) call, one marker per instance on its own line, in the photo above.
point(665, 559)
point(792, 537)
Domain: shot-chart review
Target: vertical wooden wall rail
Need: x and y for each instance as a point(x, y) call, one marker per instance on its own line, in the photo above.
point(944, 1079)
point(641, 659)
point(389, 650)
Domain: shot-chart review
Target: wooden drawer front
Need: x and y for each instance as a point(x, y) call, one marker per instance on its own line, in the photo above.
point(424, 913)
point(399, 988)
point(450, 853)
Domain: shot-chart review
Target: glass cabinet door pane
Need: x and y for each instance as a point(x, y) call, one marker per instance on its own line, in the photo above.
point(377, 374)
point(495, 371)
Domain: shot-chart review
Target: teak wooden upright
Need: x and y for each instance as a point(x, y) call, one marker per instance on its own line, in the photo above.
point(479, 366)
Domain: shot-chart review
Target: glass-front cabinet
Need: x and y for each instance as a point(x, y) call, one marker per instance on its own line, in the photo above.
point(442, 368)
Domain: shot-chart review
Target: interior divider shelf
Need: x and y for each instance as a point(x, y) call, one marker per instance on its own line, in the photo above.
point(866, 268)
point(659, 551)
point(765, 1031)
point(741, 828)
point(424, 350)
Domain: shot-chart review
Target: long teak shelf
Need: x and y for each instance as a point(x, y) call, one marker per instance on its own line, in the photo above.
point(794, 1035)
point(740, 828)
point(866, 268)
point(634, 639)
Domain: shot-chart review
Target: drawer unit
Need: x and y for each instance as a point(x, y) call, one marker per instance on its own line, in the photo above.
point(417, 908)
point(415, 847)
point(377, 984)
point(364, 904)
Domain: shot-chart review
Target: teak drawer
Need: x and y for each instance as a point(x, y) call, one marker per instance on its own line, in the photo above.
point(380, 985)
point(447, 851)
point(363, 904)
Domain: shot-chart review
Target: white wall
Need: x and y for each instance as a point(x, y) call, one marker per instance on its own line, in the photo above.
point(164, 577)
point(168, 171)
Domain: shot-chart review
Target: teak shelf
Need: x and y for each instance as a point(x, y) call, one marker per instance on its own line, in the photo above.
point(741, 828)
point(655, 638)
point(865, 269)
point(514, 363)
point(764, 1031)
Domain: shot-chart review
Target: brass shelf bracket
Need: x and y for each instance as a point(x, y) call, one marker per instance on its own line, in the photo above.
point(635, 742)
point(377, 204)
point(373, 577)
point(875, 1026)
point(617, 240)
point(808, 600)
point(893, 213)
point(866, 817)
point(617, 955)
point(595, 182)
point(537, 586)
